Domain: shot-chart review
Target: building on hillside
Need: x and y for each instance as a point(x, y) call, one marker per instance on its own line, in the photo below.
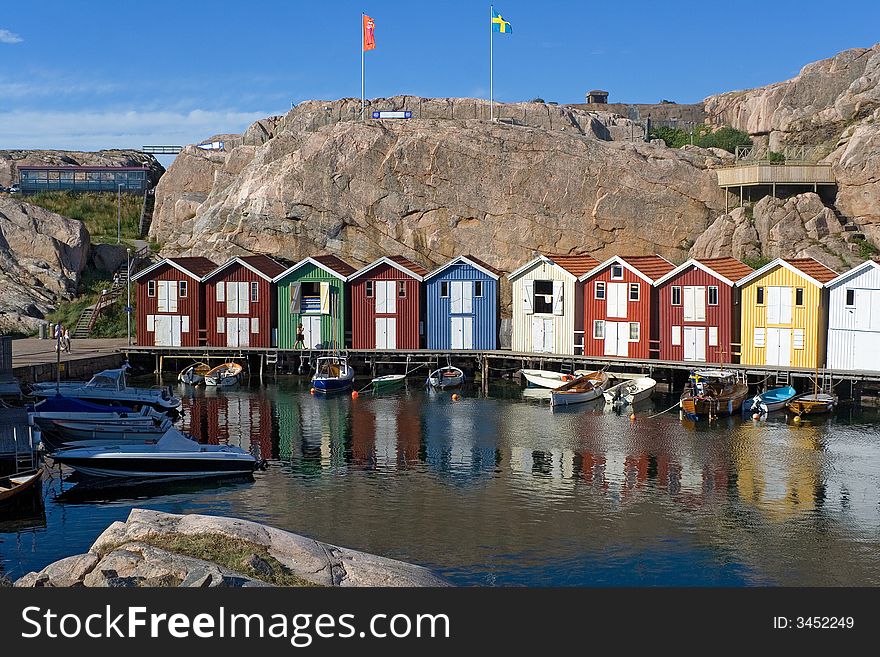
point(386, 304)
point(131, 180)
point(548, 304)
point(462, 305)
point(597, 97)
point(785, 313)
point(170, 302)
point(699, 310)
point(620, 306)
point(241, 303)
point(313, 293)
point(854, 319)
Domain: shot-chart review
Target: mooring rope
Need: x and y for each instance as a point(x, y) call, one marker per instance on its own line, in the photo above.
point(676, 405)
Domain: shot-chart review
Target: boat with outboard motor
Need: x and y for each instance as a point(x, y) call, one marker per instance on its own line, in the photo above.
point(631, 391)
point(549, 378)
point(227, 374)
point(194, 375)
point(768, 401)
point(711, 393)
point(110, 387)
point(332, 374)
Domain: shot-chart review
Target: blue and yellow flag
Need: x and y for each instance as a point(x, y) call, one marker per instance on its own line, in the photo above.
point(499, 24)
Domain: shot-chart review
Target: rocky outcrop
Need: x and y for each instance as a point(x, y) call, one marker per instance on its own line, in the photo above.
point(137, 553)
point(41, 257)
point(833, 104)
point(10, 160)
point(551, 179)
point(800, 226)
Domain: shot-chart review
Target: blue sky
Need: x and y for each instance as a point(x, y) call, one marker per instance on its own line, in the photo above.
point(101, 74)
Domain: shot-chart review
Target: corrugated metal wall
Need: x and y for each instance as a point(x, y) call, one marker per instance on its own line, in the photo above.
point(853, 335)
point(332, 327)
point(636, 311)
point(192, 306)
point(810, 317)
point(485, 308)
point(564, 325)
point(363, 310)
point(263, 308)
point(720, 316)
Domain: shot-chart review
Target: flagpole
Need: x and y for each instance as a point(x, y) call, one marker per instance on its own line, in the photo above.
point(363, 45)
point(491, 65)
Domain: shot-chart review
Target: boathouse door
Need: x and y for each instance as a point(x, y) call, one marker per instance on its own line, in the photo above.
point(386, 332)
point(695, 343)
point(312, 331)
point(617, 339)
point(779, 346)
point(463, 332)
point(238, 331)
point(542, 335)
point(167, 330)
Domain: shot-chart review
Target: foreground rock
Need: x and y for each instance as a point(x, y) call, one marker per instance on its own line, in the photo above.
point(10, 160)
point(149, 549)
point(41, 257)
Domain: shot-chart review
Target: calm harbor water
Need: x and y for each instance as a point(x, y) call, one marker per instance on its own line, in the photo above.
point(502, 491)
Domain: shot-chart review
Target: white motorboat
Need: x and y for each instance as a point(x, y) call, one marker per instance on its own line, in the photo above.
point(582, 389)
point(549, 378)
point(110, 387)
point(173, 456)
point(631, 392)
point(108, 433)
point(226, 374)
point(147, 416)
point(445, 377)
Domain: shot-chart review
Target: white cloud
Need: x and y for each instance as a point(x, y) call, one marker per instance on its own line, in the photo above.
point(94, 130)
point(9, 37)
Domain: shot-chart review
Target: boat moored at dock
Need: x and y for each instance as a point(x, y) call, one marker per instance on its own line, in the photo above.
point(583, 389)
point(332, 374)
point(110, 387)
point(712, 393)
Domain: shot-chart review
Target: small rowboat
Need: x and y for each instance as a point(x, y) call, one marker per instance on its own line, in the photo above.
point(711, 394)
point(550, 379)
point(194, 374)
point(812, 404)
point(631, 392)
point(769, 401)
point(15, 487)
point(226, 374)
point(582, 389)
point(445, 377)
point(387, 382)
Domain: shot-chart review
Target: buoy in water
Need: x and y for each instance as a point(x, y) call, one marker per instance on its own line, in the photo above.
point(455, 397)
point(797, 419)
point(756, 416)
point(354, 394)
point(632, 417)
point(311, 391)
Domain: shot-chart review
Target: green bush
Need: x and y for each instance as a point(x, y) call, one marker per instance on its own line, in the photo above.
point(111, 323)
point(726, 137)
point(866, 249)
point(775, 157)
point(758, 262)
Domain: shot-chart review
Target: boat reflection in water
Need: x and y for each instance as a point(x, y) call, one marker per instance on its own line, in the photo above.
point(499, 490)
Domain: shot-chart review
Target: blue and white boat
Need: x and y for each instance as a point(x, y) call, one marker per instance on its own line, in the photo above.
point(332, 374)
point(769, 401)
point(110, 387)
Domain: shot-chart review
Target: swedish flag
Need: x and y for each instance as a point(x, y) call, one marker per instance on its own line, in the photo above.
point(499, 24)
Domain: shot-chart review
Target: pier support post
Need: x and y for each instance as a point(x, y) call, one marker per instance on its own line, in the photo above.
point(161, 364)
point(485, 375)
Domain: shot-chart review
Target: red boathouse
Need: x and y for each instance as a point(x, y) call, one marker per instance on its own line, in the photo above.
point(620, 312)
point(386, 305)
point(240, 302)
point(170, 300)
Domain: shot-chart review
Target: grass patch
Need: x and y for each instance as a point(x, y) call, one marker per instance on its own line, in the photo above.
point(757, 263)
point(228, 552)
point(97, 210)
point(110, 324)
point(866, 249)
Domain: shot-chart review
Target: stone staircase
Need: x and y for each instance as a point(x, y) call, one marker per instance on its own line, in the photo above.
point(852, 235)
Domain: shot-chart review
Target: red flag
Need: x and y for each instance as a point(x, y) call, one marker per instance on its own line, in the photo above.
point(369, 33)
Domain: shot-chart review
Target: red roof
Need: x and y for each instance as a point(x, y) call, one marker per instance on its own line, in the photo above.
point(730, 268)
point(336, 264)
point(578, 265)
point(652, 266)
point(198, 265)
point(409, 264)
point(264, 264)
point(484, 265)
point(813, 268)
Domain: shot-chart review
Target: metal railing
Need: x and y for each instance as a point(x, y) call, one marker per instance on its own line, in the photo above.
point(789, 155)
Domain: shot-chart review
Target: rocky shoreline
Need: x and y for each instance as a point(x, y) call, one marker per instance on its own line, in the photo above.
point(156, 549)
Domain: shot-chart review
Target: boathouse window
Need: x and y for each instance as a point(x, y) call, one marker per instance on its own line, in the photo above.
point(798, 339)
point(599, 290)
point(617, 272)
point(478, 288)
point(713, 295)
point(799, 296)
point(255, 291)
point(634, 331)
point(543, 302)
point(151, 288)
point(181, 289)
point(634, 291)
point(759, 296)
point(759, 337)
point(255, 324)
point(444, 289)
point(713, 336)
point(221, 292)
point(401, 289)
point(676, 295)
point(850, 298)
point(369, 288)
point(598, 329)
point(221, 325)
point(676, 336)
point(151, 323)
